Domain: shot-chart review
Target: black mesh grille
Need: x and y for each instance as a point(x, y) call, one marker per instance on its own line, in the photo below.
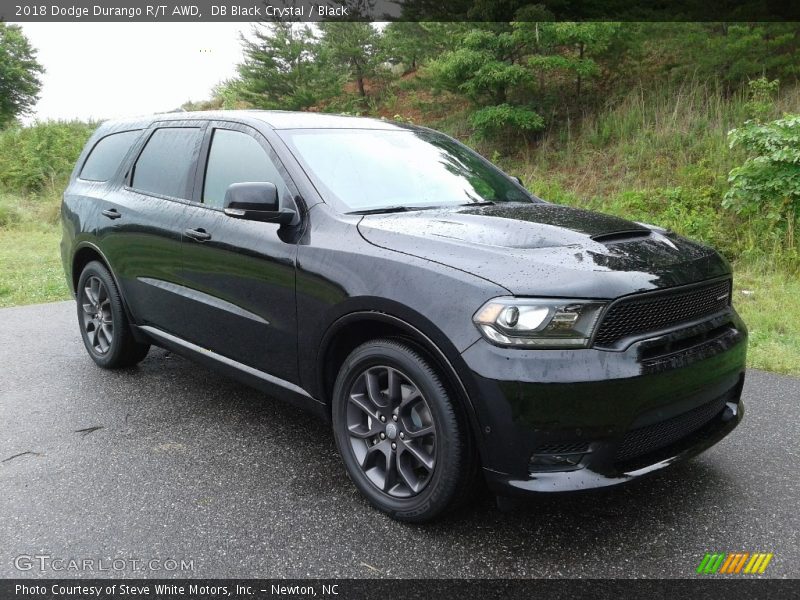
point(563, 448)
point(651, 312)
point(644, 440)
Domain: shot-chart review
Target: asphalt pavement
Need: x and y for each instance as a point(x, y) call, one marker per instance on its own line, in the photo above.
point(171, 461)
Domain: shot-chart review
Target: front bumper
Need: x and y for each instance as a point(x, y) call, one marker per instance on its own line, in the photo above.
point(562, 420)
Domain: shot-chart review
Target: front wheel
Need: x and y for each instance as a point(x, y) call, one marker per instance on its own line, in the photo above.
point(104, 325)
point(403, 441)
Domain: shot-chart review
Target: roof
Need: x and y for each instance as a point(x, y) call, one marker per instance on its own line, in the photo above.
point(275, 119)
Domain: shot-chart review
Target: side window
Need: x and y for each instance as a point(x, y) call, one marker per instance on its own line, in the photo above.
point(104, 159)
point(235, 157)
point(165, 164)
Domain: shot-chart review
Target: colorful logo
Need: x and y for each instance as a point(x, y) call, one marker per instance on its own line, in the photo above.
point(734, 562)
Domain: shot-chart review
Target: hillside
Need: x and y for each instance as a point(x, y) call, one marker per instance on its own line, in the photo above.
point(657, 155)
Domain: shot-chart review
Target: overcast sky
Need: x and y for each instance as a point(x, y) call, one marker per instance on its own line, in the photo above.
point(109, 70)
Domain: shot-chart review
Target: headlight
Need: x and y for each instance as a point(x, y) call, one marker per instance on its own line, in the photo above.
point(542, 323)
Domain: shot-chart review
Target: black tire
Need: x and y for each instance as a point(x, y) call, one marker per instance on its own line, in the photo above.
point(103, 323)
point(371, 447)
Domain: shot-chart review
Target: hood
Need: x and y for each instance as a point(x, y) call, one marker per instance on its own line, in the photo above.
point(546, 249)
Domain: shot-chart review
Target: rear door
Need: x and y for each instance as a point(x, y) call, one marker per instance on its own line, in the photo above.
point(148, 220)
point(242, 273)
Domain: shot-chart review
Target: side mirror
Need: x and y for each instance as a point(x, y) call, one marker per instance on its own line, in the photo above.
point(518, 180)
point(256, 201)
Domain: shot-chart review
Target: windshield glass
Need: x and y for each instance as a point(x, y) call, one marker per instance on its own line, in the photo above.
point(369, 169)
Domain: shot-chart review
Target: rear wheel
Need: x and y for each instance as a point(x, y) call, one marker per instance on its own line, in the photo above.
point(104, 325)
point(403, 441)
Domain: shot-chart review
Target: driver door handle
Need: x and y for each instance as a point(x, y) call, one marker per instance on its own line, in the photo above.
point(112, 213)
point(199, 234)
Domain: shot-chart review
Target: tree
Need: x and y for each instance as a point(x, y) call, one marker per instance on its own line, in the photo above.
point(19, 74)
point(730, 52)
point(747, 50)
point(410, 43)
point(353, 46)
point(488, 67)
point(567, 47)
point(283, 68)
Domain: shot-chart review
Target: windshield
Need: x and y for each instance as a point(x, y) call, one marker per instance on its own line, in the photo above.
point(369, 170)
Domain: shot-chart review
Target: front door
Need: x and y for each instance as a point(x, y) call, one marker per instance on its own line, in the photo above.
point(241, 273)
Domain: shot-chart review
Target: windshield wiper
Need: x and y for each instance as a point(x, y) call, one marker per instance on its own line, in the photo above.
point(390, 209)
point(377, 211)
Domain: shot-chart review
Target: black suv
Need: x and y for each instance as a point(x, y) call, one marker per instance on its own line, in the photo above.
point(451, 325)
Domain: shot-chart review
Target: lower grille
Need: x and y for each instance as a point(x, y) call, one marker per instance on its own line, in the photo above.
point(563, 448)
point(644, 440)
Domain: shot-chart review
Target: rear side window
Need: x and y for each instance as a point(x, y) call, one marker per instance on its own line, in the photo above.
point(104, 159)
point(165, 165)
point(236, 157)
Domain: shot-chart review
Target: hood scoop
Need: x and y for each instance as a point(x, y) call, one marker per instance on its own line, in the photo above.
point(615, 237)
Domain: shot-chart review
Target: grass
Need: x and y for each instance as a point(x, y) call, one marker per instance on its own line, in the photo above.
point(769, 303)
point(31, 269)
point(30, 262)
point(666, 136)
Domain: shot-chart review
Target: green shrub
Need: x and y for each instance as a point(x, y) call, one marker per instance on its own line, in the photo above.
point(504, 118)
point(766, 186)
point(40, 155)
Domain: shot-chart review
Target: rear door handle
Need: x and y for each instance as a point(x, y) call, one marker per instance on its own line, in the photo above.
point(112, 213)
point(200, 234)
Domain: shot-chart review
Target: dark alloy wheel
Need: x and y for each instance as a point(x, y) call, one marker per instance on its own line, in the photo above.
point(404, 442)
point(391, 429)
point(98, 322)
point(104, 325)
